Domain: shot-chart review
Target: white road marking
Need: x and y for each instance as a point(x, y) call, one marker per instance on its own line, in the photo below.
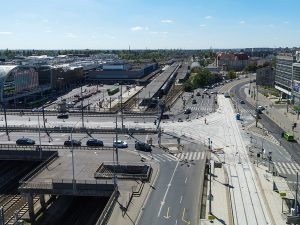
point(185, 180)
point(190, 156)
point(180, 199)
point(198, 155)
point(168, 187)
point(278, 167)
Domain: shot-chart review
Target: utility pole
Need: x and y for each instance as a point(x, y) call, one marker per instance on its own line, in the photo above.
point(5, 120)
point(122, 118)
point(117, 155)
point(296, 208)
point(210, 195)
point(82, 119)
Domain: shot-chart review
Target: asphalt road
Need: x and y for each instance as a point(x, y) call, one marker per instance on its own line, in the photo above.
point(286, 158)
point(175, 197)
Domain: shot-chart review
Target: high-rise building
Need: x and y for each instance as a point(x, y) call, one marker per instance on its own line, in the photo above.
point(296, 79)
point(283, 73)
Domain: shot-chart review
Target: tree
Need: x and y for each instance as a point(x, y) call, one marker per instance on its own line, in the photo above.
point(231, 74)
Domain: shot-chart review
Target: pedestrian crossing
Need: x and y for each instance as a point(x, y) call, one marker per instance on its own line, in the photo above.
point(201, 108)
point(195, 156)
point(287, 168)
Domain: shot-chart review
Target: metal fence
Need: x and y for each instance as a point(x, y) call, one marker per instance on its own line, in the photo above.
point(105, 215)
point(49, 147)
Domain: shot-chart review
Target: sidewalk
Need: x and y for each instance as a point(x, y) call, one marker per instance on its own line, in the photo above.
point(276, 206)
point(130, 215)
point(221, 202)
point(276, 113)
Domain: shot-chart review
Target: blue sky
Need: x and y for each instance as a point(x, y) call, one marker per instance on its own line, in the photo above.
point(152, 24)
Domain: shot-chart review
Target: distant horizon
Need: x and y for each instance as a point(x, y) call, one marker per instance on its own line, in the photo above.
point(142, 24)
point(154, 49)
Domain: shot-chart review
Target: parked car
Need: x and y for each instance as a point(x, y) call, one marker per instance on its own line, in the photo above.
point(62, 116)
point(194, 101)
point(94, 142)
point(261, 107)
point(141, 146)
point(25, 141)
point(242, 102)
point(75, 143)
point(198, 93)
point(120, 144)
point(180, 120)
point(187, 111)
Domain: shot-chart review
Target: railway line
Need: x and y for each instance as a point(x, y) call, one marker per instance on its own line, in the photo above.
point(10, 199)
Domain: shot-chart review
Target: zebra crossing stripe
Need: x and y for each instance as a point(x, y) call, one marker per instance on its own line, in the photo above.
point(198, 155)
point(170, 157)
point(202, 155)
point(297, 165)
point(290, 167)
point(190, 156)
point(294, 167)
point(157, 157)
point(278, 167)
point(281, 167)
point(287, 169)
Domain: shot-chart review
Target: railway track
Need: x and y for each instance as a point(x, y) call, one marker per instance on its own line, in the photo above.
point(20, 209)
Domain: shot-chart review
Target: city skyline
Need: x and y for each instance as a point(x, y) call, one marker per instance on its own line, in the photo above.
point(116, 24)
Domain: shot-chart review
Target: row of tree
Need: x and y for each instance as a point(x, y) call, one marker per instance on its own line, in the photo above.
point(201, 78)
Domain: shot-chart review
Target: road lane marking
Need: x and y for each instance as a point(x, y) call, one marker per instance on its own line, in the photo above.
point(278, 167)
point(185, 180)
point(190, 156)
point(286, 168)
point(289, 166)
point(183, 217)
point(168, 187)
point(198, 155)
point(176, 222)
point(202, 155)
point(294, 167)
point(180, 199)
point(170, 157)
point(297, 165)
point(168, 216)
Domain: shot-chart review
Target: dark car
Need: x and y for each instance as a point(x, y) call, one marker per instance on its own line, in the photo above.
point(94, 142)
point(63, 116)
point(194, 101)
point(75, 143)
point(198, 94)
point(242, 102)
point(25, 141)
point(187, 111)
point(141, 146)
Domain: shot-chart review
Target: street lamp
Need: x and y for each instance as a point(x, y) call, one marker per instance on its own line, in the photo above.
point(72, 151)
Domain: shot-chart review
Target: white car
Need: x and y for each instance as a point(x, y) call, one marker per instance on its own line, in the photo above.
point(120, 144)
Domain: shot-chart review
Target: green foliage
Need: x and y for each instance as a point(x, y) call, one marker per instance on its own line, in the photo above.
point(201, 78)
point(251, 67)
point(231, 74)
point(297, 108)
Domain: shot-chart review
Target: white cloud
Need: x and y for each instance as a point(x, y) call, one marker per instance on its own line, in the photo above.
point(242, 22)
point(167, 21)
point(146, 28)
point(5, 33)
point(202, 25)
point(208, 17)
point(48, 31)
point(71, 35)
point(45, 21)
point(137, 28)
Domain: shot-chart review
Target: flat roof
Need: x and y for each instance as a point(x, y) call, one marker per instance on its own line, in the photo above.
point(153, 87)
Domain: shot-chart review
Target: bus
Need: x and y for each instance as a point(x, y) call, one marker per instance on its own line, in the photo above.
point(288, 136)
